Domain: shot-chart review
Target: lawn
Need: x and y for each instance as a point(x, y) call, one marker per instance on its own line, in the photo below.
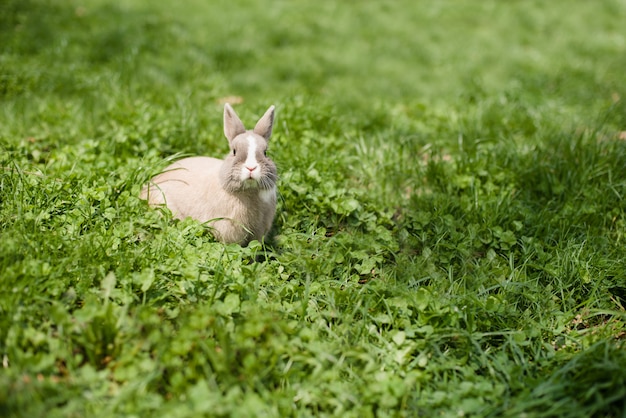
point(450, 237)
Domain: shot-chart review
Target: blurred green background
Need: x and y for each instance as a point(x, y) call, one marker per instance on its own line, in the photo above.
point(354, 53)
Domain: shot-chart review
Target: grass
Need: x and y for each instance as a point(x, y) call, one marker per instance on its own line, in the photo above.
point(450, 232)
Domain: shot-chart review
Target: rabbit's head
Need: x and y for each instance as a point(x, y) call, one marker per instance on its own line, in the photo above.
point(247, 165)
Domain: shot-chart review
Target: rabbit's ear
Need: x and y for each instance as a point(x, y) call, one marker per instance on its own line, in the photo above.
point(264, 125)
point(232, 124)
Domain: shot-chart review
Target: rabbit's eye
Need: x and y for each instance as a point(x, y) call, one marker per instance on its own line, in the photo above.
point(234, 152)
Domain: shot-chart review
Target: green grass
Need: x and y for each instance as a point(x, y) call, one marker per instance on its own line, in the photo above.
point(450, 237)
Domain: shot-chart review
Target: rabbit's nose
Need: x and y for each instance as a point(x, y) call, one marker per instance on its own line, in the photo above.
point(251, 169)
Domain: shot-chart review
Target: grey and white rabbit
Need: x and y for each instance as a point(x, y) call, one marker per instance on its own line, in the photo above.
point(237, 194)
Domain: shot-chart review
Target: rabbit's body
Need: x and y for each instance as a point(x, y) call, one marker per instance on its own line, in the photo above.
point(236, 195)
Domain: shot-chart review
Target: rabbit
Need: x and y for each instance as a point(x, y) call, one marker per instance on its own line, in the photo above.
point(236, 195)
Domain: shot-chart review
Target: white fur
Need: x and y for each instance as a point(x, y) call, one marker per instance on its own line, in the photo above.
point(268, 195)
point(250, 168)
